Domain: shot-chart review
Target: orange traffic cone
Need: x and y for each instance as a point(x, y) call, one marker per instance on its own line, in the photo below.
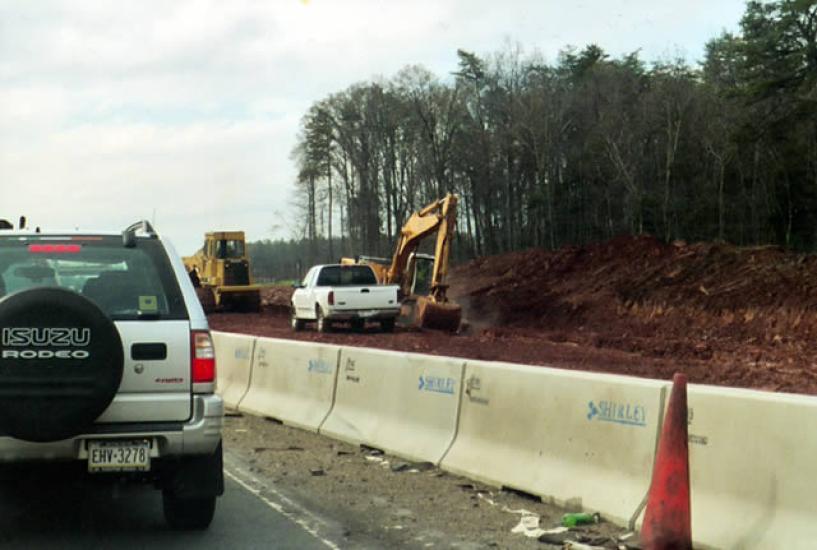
point(667, 520)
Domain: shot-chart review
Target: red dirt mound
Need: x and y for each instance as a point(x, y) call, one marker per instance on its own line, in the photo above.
point(633, 305)
point(276, 298)
point(750, 312)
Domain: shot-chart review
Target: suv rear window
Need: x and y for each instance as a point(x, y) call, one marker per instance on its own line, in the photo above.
point(126, 283)
point(346, 275)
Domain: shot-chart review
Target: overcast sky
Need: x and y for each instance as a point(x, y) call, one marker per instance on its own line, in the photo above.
point(187, 110)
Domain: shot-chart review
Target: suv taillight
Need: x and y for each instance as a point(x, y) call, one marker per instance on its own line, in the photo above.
point(331, 298)
point(202, 357)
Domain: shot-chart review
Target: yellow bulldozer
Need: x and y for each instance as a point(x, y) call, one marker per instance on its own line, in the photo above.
point(220, 271)
point(421, 277)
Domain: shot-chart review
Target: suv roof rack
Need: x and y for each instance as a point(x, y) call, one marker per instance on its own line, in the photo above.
point(129, 234)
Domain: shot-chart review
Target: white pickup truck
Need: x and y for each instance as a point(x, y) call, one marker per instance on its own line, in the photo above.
point(335, 292)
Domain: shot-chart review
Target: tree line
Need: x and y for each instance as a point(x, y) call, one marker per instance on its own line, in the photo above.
point(579, 150)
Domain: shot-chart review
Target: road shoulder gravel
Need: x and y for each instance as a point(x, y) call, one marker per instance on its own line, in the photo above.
point(352, 497)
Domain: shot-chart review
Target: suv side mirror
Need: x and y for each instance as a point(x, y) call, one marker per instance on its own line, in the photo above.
point(297, 285)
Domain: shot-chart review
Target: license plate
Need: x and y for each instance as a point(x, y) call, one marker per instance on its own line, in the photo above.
point(119, 456)
point(368, 313)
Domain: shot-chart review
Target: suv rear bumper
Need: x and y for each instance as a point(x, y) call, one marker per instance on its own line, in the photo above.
point(199, 435)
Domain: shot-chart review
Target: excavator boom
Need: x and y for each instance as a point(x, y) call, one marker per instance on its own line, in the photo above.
point(434, 310)
point(439, 216)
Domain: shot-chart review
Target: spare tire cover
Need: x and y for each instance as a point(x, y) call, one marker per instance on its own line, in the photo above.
point(61, 364)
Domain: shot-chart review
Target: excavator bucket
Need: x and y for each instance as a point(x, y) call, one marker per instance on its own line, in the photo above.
point(438, 315)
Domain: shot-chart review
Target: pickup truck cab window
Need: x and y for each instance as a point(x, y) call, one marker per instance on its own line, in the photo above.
point(346, 275)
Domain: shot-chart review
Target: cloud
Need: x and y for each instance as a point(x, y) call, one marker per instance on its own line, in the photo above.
point(192, 177)
point(111, 110)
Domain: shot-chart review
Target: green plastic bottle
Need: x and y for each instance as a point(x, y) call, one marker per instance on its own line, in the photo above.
point(580, 518)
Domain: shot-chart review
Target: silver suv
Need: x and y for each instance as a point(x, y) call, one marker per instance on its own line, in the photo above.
point(106, 358)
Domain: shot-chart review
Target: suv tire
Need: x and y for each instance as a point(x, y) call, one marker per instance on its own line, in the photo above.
point(188, 513)
point(190, 488)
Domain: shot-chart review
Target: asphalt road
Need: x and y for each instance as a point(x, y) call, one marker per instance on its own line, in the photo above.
point(52, 512)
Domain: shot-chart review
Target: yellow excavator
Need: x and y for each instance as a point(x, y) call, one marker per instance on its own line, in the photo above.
point(220, 271)
point(409, 269)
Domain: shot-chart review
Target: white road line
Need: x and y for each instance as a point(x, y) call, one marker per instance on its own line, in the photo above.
point(294, 517)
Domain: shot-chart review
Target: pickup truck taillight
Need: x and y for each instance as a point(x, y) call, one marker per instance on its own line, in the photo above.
point(331, 298)
point(202, 357)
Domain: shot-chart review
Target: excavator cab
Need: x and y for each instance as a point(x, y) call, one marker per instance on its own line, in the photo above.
point(419, 270)
point(433, 308)
point(421, 277)
point(422, 271)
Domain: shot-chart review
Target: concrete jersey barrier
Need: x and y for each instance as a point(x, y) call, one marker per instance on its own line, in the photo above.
point(405, 404)
point(580, 439)
point(292, 381)
point(233, 365)
point(753, 468)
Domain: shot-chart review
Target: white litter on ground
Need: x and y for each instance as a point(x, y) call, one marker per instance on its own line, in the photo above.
point(528, 526)
point(377, 460)
point(570, 545)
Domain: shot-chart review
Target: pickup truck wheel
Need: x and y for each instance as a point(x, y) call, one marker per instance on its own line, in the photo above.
point(61, 364)
point(321, 324)
point(296, 324)
point(387, 325)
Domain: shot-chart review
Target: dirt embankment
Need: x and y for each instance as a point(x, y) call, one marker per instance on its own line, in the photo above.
point(725, 315)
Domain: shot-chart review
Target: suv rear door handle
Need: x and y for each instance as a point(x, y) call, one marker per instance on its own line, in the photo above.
point(148, 352)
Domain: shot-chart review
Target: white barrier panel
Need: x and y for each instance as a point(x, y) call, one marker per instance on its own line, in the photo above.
point(233, 365)
point(753, 468)
point(405, 404)
point(579, 439)
point(292, 381)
